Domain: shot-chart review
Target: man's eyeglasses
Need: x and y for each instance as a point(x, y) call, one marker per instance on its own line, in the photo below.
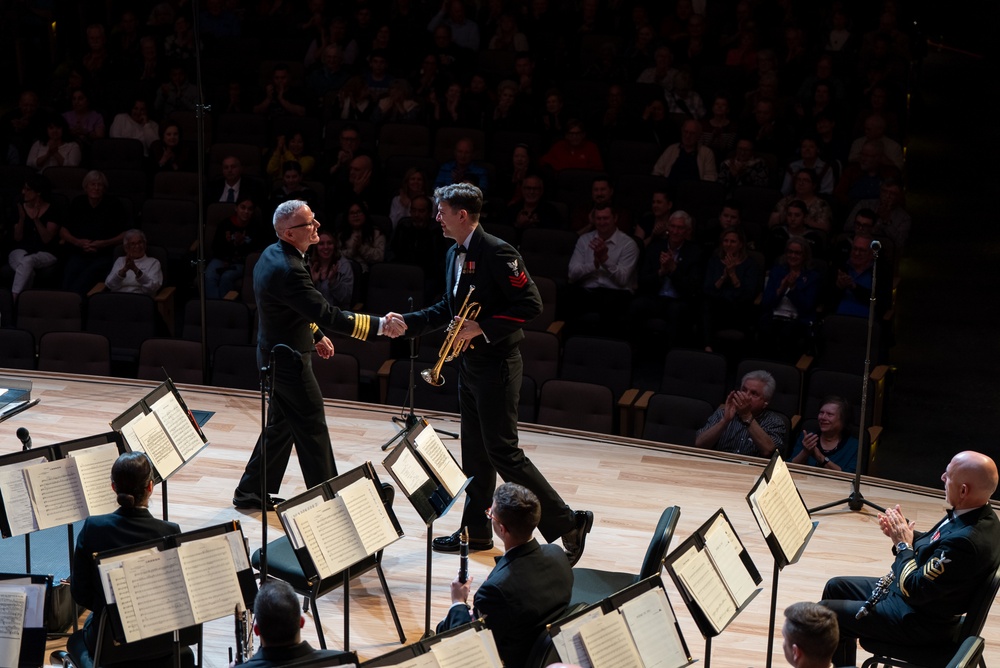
point(489, 514)
point(314, 223)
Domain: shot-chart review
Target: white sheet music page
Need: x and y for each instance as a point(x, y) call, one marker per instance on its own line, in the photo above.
point(16, 499)
point(436, 456)
point(784, 511)
point(178, 426)
point(156, 583)
point(328, 530)
point(34, 607)
point(705, 586)
point(654, 630)
point(427, 660)
point(210, 576)
point(409, 472)
point(303, 524)
point(291, 525)
point(465, 649)
point(93, 465)
point(724, 549)
point(128, 433)
point(126, 604)
point(568, 642)
point(12, 606)
point(56, 493)
point(368, 514)
point(106, 567)
point(609, 643)
point(157, 444)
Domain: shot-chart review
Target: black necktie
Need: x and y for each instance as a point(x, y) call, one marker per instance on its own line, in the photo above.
point(461, 250)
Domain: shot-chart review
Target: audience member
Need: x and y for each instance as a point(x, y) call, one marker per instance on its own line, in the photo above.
point(744, 168)
point(454, 111)
point(23, 125)
point(732, 282)
point(359, 239)
point(653, 226)
point(833, 447)
point(281, 98)
point(805, 190)
point(292, 149)
point(532, 210)
point(936, 573)
point(718, 131)
point(348, 147)
point(234, 184)
point(135, 272)
point(796, 217)
point(136, 124)
point(788, 306)
point(687, 160)
point(235, 238)
point(892, 152)
point(662, 71)
point(891, 219)
point(178, 94)
point(331, 75)
point(508, 190)
point(744, 425)
point(809, 159)
point(573, 151)
point(35, 233)
point(95, 225)
point(464, 31)
point(530, 585)
point(417, 240)
point(602, 192)
point(355, 100)
point(463, 168)
point(169, 153)
point(411, 186)
point(853, 283)
point(683, 99)
point(291, 187)
point(84, 123)
point(809, 635)
point(54, 148)
point(331, 272)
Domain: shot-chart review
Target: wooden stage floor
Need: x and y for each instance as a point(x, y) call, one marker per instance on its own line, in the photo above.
point(627, 483)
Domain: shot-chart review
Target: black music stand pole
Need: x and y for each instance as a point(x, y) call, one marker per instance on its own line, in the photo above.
point(427, 583)
point(266, 387)
point(856, 500)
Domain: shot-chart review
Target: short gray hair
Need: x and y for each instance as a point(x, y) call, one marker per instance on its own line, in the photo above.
point(763, 377)
point(285, 211)
point(95, 175)
point(684, 217)
point(130, 234)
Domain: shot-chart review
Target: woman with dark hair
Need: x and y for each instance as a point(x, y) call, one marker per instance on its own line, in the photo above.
point(805, 187)
point(412, 185)
point(36, 233)
point(53, 149)
point(168, 153)
point(331, 272)
point(84, 123)
point(359, 239)
point(235, 238)
point(788, 307)
point(833, 448)
point(132, 523)
point(732, 281)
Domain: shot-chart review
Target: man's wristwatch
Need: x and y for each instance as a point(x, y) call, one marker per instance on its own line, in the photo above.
point(902, 545)
point(745, 422)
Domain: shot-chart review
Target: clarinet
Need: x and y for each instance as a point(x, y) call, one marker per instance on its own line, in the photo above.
point(880, 591)
point(463, 553)
point(244, 637)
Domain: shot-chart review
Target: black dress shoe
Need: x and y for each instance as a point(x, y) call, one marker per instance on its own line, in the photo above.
point(574, 541)
point(247, 501)
point(452, 543)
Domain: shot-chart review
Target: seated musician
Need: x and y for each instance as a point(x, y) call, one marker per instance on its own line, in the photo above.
point(132, 523)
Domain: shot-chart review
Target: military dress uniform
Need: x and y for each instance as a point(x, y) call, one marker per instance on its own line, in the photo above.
point(490, 378)
point(934, 581)
point(292, 318)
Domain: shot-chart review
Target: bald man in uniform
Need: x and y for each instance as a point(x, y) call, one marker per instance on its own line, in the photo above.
point(936, 574)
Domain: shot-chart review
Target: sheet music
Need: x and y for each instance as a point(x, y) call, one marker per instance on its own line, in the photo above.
point(34, 607)
point(609, 644)
point(784, 512)
point(156, 587)
point(128, 433)
point(654, 630)
point(289, 521)
point(178, 425)
point(125, 603)
point(12, 605)
point(106, 567)
point(705, 586)
point(93, 465)
point(427, 660)
point(210, 577)
point(16, 500)
point(305, 530)
point(157, 444)
point(330, 530)
point(409, 473)
point(368, 515)
point(568, 642)
point(56, 493)
point(724, 549)
point(436, 456)
point(238, 550)
point(754, 499)
point(465, 649)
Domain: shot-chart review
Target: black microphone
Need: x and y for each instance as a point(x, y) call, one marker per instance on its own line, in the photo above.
point(875, 245)
point(24, 437)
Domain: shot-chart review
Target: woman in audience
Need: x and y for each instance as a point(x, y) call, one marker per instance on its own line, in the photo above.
point(360, 240)
point(805, 188)
point(788, 307)
point(413, 185)
point(355, 100)
point(453, 111)
point(131, 523)
point(331, 272)
point(95, 225)
point(294, 148)
point(508, 189)
point(53, 149)
point(84, 123)
point(135, 272)
point(732, 281)
point(235, 238)
point(833, 448)
point(718, 131)
point(36, 233)
point(169, 154)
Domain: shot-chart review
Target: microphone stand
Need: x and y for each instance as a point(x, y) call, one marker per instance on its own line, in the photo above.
point(856, 500)
point(410, 420)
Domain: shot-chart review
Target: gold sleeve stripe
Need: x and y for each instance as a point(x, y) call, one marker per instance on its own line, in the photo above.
point(908, 569)
point(362, 325)
point(313, 327)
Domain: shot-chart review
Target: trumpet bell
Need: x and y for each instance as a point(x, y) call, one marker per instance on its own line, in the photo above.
point(435, 379)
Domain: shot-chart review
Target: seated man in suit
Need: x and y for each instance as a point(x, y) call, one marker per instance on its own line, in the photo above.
point(936, 574)
point(810, 635)
point(278, 623)
point(530, 586)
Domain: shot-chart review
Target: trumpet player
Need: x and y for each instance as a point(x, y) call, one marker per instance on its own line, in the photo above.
point(936, 574)
point(490, 371)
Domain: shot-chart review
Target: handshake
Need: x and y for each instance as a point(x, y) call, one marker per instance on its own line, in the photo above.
point(393, 325)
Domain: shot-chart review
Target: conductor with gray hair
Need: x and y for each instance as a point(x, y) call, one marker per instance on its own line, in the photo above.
point(743, 425)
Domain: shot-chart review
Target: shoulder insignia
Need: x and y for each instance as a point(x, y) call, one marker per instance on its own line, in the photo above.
point(518, 278)
point(513, 267)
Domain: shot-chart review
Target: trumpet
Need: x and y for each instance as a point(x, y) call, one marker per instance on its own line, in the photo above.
point(452, 348)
